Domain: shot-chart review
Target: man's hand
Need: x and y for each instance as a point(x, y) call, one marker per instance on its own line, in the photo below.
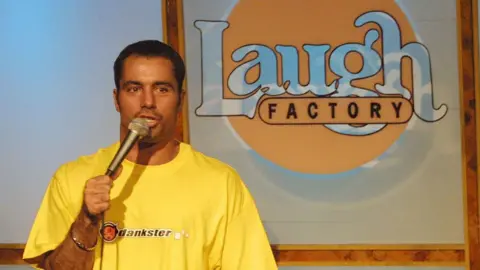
point(97, 194)
point(69, 254)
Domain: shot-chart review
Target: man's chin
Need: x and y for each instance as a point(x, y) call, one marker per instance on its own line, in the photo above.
point(148, 141)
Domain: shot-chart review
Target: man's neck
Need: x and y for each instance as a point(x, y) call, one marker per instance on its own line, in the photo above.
point(154, 153)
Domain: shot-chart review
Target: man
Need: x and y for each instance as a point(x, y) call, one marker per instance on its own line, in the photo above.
point(167, 207)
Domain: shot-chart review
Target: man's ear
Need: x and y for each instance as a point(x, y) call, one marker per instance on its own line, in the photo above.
point(115, 100)
point(181, 100)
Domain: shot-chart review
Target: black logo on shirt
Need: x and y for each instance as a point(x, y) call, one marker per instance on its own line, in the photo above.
point(111, 231)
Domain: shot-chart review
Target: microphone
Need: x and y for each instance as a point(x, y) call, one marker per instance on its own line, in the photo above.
point(138, 129)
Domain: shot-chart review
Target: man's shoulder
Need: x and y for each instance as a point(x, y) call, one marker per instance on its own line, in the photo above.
point(209, 163)
point(218, 173)
point(86, 165)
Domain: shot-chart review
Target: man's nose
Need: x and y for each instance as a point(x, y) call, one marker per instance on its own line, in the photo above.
point(148, 98)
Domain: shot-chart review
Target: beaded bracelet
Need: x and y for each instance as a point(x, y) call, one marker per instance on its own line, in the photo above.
point(80, 245)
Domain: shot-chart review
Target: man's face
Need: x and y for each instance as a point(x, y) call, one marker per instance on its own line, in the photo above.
point(148, 89)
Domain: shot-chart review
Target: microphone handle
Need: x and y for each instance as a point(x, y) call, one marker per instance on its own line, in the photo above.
point(125, 147)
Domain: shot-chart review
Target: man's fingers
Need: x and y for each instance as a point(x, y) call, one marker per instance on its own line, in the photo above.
point(98, 190)
point(104, 206)
point(97, 193)
point(105, 197)
point(100, 208)
point(103, 181)
point(101, 189)
point(101, 198)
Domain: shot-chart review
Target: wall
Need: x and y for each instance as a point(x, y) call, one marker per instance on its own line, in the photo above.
point(56, 93)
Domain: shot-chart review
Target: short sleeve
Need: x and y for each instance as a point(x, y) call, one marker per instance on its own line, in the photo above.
point(53, 219)
point(245, 244)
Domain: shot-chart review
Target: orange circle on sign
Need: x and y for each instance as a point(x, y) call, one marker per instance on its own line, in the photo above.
point(310, 149)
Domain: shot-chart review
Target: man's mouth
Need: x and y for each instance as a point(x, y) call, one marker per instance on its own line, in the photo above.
point(151, 120)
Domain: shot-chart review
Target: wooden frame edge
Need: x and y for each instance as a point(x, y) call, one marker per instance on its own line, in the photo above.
point(332, 255)
point(364, 247)
point(374, 263)
point(459, 27)
point(476, 70)
point(12, 246)
point(182, 49)
point(370, 255)
point(371, 247)
point(469, 111)
point(476, 60)
point(173, 34)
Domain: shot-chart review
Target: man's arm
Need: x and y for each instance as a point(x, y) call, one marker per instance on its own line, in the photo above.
point(78, 254)
point(78, 239)
point(244, 242)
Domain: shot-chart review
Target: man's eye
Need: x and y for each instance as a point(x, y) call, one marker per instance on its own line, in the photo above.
point(133, 89)
point(163, 89)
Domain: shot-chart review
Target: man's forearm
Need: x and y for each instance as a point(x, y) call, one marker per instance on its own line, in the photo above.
point(68, 255)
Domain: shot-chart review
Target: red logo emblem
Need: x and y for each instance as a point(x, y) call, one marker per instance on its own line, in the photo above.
point(109, 231)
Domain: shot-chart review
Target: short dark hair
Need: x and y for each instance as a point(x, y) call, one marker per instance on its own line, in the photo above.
point(150, 48)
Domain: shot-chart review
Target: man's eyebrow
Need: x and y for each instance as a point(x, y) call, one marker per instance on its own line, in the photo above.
point(131, 83)
point(157, 83)
point(163, 83)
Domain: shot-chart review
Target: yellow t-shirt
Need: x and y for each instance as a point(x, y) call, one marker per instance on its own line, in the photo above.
point(192, 213)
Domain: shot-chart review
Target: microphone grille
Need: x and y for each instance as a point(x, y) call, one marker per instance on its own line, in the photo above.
point(140, 126)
